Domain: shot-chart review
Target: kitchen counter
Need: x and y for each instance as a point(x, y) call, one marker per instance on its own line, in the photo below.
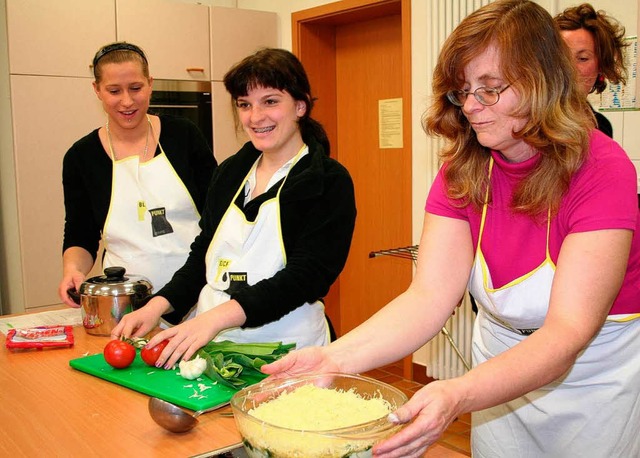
point(51, 409)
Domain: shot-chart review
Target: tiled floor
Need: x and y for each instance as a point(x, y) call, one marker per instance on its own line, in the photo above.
point(455, 438)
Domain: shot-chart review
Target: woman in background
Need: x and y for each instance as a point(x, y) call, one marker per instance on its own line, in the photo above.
point(597, 45)
point(138, 182)
point(276, 229)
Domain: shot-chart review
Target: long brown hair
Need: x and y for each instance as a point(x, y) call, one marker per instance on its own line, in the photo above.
point(538, 65)
point(608, 35)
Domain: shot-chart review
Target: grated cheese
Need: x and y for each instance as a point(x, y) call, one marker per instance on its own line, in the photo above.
point(306, 411)
point(311, 408)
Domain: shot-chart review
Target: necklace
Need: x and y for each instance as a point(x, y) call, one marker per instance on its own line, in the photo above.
point(143, 157)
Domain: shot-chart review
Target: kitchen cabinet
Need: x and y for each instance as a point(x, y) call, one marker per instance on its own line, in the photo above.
point(226, 139)
point(57, 38)
point(50, 46)
point(49, 115)
point(175, 36)
point(248, 30)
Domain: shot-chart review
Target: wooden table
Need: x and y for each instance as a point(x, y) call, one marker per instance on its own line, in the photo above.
point(51, 409)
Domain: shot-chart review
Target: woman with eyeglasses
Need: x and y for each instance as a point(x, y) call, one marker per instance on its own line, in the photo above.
point(534, 212)
point(137, 183)
point(597, 44)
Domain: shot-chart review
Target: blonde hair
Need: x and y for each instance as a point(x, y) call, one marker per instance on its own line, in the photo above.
point(538, 66)
point(117, 53)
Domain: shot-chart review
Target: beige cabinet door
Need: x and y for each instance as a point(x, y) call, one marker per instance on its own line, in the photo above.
point(226, 139)
point(236, 33)
point(175, 36)
point(57, 37)
point(49, 115)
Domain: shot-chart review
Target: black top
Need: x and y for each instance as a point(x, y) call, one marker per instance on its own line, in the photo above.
point(317, 216)
point(87, 173)
point(603, 124)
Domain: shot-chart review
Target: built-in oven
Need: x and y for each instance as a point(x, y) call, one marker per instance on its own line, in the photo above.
point(189, 99)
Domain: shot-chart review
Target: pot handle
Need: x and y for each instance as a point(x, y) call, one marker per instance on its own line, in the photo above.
point(114, 273)
point(74, 295)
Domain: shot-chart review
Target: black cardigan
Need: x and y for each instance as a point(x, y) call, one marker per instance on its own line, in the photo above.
point(87, 173)
point(317, 211)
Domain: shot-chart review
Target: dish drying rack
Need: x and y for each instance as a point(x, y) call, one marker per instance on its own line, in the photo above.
point(411, 252)
point(407, 252)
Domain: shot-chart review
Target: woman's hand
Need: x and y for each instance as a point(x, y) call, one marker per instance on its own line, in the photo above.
point(70, 281)
point(140, 322)
point(432, 409)
point(76, 264)
point(185, 340)
point(306, 360)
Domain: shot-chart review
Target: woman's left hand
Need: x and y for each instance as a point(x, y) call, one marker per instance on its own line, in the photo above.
point(185, 340)
point(432, 410)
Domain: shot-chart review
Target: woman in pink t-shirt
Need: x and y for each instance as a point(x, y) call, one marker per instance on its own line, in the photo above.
point(534, 211)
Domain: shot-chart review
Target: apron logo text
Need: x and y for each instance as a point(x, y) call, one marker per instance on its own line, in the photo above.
point(159, 223)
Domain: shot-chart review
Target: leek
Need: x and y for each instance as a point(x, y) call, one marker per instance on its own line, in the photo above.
point(236, 364)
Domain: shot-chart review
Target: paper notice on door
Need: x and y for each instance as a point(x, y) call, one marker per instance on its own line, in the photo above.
point(390, 123)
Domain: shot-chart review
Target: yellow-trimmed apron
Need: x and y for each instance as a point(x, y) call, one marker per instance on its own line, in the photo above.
point(152, 219)
point(243, 253)
point(593, 411)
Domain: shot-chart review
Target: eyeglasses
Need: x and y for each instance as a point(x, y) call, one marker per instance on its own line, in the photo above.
point(122, 46)
point(487, 96)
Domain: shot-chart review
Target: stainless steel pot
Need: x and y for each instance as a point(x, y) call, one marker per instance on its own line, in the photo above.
point(105, 299)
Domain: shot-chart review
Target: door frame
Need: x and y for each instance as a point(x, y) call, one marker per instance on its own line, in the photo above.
point(313, 41)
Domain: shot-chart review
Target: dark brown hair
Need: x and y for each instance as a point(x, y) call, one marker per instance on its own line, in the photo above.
point(278, 69)
point(538, 66)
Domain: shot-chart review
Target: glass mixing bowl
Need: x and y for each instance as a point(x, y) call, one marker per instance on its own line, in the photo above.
point(264, 440)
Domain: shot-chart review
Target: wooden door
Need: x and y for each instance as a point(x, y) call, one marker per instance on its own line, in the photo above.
point(357, 52)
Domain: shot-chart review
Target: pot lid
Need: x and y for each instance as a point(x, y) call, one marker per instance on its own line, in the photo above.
point(116, 282)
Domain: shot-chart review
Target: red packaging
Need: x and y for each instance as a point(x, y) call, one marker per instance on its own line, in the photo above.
point(40, 337)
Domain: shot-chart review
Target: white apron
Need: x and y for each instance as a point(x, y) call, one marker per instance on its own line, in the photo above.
point(593, 411)
point(152, 219)
point(243, 253)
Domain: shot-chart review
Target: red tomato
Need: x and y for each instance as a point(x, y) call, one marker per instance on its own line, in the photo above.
point(150, 355)
point(119, 354)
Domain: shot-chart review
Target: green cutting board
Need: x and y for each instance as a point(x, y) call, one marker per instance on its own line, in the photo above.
point(198, 394)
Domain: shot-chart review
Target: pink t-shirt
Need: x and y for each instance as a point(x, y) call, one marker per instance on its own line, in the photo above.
point(602, 195)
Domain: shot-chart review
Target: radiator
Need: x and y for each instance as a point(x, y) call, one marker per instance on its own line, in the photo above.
point(448, 354)
point(439, 355)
